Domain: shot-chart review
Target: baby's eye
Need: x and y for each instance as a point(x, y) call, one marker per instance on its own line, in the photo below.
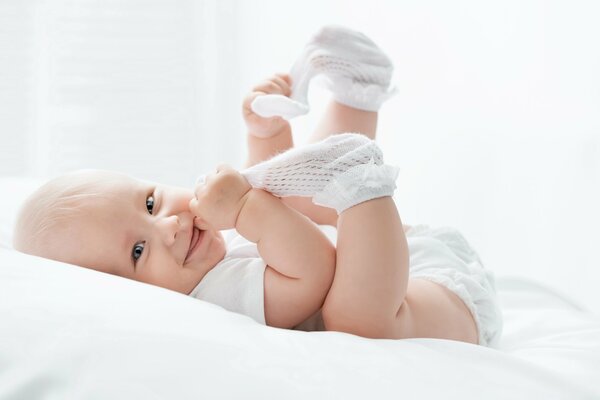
point(150, 204)
point(137, 251)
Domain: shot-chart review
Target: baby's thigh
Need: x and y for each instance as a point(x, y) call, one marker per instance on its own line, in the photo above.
point(431, 310)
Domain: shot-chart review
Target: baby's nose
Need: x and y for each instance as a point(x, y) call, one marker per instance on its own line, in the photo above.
point(169, 227)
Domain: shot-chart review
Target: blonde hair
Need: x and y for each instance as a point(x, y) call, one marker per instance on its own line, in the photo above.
point(46, 213)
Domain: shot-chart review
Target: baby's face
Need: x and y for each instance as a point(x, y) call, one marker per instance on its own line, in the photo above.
point(146, 232)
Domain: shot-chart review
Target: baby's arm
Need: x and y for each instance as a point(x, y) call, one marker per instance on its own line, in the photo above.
point(300, 258)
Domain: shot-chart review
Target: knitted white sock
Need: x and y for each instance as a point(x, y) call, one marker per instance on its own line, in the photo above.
point(358, 184)
point(354, 69)
point(277, 105)
point(306, 170)
point(325, 169)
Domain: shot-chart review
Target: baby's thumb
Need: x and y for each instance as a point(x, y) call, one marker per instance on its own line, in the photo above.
point(199, 221)
point(276, 105)
point(201, 224)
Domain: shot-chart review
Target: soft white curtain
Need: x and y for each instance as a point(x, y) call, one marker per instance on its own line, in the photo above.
point(140, 86)
point(16, 62)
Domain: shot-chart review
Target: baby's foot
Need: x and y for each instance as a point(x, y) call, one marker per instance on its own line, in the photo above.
point(306, 170)
point(338, 172)
point(354, 68)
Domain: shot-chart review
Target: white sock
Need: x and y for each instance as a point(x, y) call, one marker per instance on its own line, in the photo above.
point(353, 68)
point(338, 172)
point(358, 184)
point(356, 70)
point(277, 105)
point(306, 170)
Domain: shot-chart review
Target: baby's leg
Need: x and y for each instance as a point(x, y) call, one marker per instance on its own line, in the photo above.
point(372, 295)
point(338, 118)
point(371, 275)
point(358, 74)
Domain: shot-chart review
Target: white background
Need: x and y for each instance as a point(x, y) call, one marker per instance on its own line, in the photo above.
point(496, 126)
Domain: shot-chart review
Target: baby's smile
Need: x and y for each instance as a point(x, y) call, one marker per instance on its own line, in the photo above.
point(195, 241)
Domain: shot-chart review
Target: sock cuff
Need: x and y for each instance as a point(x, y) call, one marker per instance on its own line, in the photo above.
point(362, 96)
point(357, 185)
point(276, 105)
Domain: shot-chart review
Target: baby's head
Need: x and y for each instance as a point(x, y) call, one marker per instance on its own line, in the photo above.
point(113, 223)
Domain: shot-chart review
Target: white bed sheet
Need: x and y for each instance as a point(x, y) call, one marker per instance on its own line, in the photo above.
point(68, 332)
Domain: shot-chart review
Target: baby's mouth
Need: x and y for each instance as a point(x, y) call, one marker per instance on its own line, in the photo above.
point(193, 241)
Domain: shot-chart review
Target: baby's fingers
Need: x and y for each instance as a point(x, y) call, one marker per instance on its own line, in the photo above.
point(199, 193)
point(194, 206)
point(199, 221)
point(274, 85)
point(201, 183)
point(283, 83)
point(286, 78)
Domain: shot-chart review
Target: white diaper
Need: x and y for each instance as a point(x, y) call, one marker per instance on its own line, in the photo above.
point(442, 255)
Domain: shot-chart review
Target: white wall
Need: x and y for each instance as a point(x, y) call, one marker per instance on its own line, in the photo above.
point(496, 125)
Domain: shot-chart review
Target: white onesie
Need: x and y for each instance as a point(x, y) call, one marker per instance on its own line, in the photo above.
point(236, 283)
point(441, 255)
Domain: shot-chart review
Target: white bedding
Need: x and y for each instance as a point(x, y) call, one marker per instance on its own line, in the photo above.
point(67, 332)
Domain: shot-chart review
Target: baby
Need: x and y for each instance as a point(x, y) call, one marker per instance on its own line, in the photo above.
point(260, 241)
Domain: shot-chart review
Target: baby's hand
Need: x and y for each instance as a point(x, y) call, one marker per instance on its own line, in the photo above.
point(220, 198)
point(258, 126)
